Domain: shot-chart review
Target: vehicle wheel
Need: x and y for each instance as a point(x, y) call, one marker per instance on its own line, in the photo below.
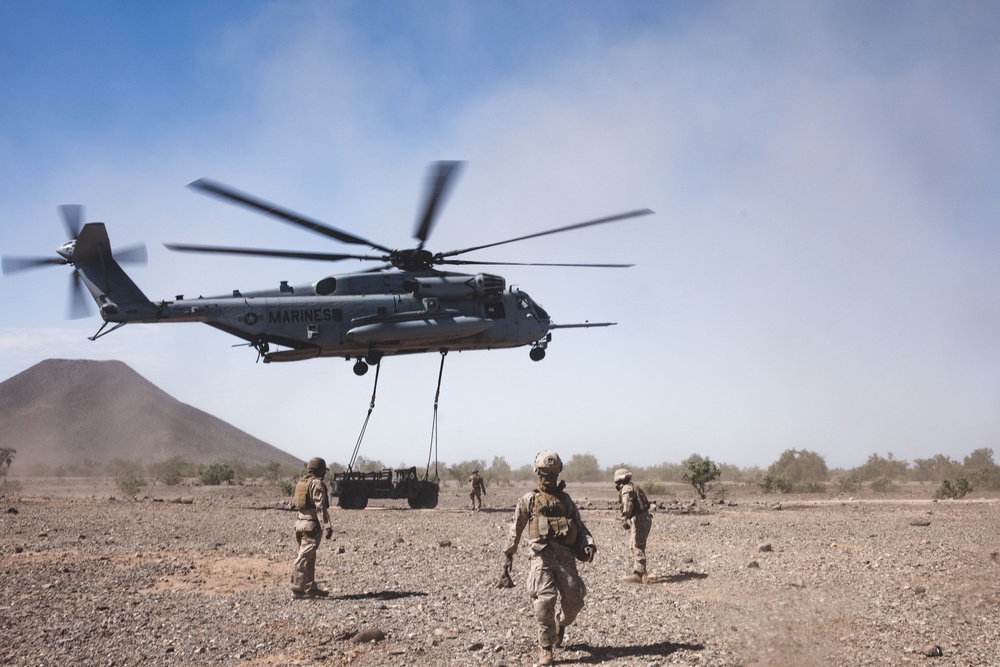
point(414, 503)
point(427, 499)
point(353, 500)
point(537, 354)
point(360, 368)
point(373, 357)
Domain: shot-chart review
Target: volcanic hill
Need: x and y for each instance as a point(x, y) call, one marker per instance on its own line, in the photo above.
point(63, 411)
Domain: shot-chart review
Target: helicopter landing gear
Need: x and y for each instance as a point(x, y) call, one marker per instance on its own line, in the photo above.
point(373, 357)
point(538, 348)
point(360, 368)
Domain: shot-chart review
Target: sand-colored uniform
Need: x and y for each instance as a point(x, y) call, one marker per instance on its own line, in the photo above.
point(635, 513)
point(552, 573)
point(313, 505)
point(478, 489)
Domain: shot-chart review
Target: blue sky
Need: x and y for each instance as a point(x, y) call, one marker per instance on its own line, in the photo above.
point(821, 272)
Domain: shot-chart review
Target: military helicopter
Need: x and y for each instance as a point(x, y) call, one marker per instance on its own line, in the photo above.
point(362, 316)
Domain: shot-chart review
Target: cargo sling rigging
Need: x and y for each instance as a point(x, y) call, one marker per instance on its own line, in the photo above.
point(433, 449)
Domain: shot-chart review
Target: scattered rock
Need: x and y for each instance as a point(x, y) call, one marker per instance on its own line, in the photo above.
point(920, 522)
point(753, 565)
point(932, 651)
point(366, 635)
point(764, 548)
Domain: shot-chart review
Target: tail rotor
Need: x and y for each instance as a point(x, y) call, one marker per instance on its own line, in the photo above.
point(79, 304)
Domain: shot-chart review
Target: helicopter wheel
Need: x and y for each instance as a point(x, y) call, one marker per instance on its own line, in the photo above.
point(537, 353)
point(373, 357)
point(360, 368)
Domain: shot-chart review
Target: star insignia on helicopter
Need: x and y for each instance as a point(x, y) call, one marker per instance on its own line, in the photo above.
point(250, 319)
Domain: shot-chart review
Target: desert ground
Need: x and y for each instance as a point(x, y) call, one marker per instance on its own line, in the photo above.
point(192, 575)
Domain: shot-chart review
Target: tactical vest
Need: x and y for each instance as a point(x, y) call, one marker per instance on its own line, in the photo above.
point(641, 501)
point(303, 499)
point(550, 520)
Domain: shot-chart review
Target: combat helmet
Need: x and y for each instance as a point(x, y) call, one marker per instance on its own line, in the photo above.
point(622, 476)
point(548, 463)
point(317, 465)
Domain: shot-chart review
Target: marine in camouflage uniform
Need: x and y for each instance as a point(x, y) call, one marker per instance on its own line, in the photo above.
point(478, 490)
point(557, 537)
point(637, 520)
point(313, 503)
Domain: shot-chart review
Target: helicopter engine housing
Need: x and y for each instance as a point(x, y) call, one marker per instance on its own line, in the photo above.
point(454, 287)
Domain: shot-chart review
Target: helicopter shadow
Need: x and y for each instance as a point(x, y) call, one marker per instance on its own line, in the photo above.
point(602, 654)
point(380, 595)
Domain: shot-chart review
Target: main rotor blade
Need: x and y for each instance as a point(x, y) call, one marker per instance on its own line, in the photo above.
point(579, 225)
point(13, 265)
point(72, 214)
point(469, 261)
point(292, 254)
point(267, 208)
point(135, 254)
point(79, 305)
point(438, 185)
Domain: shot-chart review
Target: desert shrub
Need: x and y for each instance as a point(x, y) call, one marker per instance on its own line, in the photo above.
point(947, 490)
point(798, 467)
point(214, 474)
point(499, 472)
point(849, 483)
point(700, 473)
point(129, 479)
point(811, 487)
point(582, 468)
point(769, 482)
point(883, 485)
point(169, 472)
point(877, 466)
point(652, 488)
point(987, 479)
point(286, 486)
point(6, 459)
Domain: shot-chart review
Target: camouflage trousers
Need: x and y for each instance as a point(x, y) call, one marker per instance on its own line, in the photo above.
point(552, 578)
point(477, 498)
point(308, 535)
point(639, 526)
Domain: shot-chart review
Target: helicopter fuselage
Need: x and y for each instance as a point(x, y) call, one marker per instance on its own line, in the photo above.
point(365, 315)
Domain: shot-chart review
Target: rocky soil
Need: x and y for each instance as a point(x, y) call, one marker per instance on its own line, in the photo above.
point(199, 576)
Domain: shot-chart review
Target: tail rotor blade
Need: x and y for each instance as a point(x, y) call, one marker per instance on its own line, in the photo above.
point(135, 254)
point(79, 306)
point(72, 214)
point(13, 265)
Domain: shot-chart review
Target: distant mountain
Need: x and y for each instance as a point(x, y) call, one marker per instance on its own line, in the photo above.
point(63, 411)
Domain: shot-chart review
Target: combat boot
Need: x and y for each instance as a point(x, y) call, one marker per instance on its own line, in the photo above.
point(317, 593)
point(634, 578)
point(545, 656)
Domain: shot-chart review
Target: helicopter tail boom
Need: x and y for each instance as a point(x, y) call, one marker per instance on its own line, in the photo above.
point(118, 298)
